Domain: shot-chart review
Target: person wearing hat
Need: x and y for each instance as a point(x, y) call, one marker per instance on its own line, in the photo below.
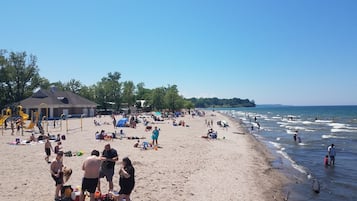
point(57, 173)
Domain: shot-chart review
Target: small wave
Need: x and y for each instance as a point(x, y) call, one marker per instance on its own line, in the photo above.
point(293, 163)
point(338, 125)
point(295, 127)
point(331, 136)
point(342, 130)
point(290, 132)
point(323, 121)
point(275, 144)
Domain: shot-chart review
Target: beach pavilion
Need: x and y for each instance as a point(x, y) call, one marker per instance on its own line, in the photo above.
point(54, 103)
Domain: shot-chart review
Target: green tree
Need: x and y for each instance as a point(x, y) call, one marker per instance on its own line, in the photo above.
point(108, 91)
point(73, 85)
point(173, 101)
point(19, 76)
point(88, 92)
point(188, 104)
point(157, 98)
point(128, 95)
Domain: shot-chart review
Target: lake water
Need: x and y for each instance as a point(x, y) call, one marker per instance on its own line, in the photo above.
point(318, 127)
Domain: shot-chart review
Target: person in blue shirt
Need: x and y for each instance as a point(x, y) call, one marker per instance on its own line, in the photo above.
point(155, 136)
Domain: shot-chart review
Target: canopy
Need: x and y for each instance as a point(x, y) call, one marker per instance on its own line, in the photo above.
point(157, 114)
point(122, 122)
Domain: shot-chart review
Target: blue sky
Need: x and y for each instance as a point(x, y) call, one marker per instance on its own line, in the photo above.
point(296, 52)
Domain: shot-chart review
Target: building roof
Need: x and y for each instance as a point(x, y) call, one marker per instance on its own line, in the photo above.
point(57, 99)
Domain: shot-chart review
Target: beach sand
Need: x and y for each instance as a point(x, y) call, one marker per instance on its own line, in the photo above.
point(185, 167)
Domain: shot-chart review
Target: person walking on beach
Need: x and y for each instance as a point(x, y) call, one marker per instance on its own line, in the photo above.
point(332, 153)
point(48, 149)
point(155, 136)
point(109, 157)
point(91, 167)
point(57, 174)
point(127, 179)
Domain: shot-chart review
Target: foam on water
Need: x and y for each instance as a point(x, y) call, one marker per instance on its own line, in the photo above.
point(338, 125)
point(292, 162)
point(290, 132)
point(323, 121)
point(342, 130)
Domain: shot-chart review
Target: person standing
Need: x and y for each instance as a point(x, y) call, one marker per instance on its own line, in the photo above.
point(109, 157)
point(57, 173)
point(155, 136)
point(91, 167)
point(114, 122)
point(332, 153)
point(127, 179)
point(48, 149)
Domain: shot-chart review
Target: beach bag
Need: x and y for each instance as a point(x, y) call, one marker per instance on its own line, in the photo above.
point(66, 191)
point(63, 137)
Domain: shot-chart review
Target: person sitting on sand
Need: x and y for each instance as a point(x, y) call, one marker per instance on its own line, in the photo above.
point(58, 138)
point(136, 145)
point(58, 147)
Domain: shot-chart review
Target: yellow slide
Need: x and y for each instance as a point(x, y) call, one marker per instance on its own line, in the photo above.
point(22, 114)
point(3, 119)
point(31, 126)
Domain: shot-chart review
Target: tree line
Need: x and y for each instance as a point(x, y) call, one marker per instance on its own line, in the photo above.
point(221, 103)
point(19, 77)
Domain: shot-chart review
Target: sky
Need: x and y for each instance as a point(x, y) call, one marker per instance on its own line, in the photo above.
point(292, 52)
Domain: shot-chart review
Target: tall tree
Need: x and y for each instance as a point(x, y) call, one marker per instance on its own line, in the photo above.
point(73, 85)
point(128, 93)
point(108, 91)
point(19, 75)
point(157, 98)
point(173, 101)
point(88, 92)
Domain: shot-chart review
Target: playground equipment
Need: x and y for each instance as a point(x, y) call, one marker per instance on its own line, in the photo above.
point(33, 123)
point(3, 118)
point(23, 115)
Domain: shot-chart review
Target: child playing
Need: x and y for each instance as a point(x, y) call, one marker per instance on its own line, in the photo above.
point(326, 160)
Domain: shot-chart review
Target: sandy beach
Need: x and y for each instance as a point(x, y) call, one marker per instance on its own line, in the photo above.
point(186, 167)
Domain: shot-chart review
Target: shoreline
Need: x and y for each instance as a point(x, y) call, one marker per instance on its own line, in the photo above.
point(187, 167)
point(277, 190)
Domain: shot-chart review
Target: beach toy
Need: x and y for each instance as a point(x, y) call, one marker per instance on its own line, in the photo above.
point(155, 147)
point(97, 195)
point(80, 153)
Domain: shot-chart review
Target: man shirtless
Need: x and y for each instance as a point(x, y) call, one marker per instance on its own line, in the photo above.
point(48, 148)
point(91, 167)
point(57, 174)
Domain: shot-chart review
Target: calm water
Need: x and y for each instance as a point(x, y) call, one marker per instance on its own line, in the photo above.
point(318, 127)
